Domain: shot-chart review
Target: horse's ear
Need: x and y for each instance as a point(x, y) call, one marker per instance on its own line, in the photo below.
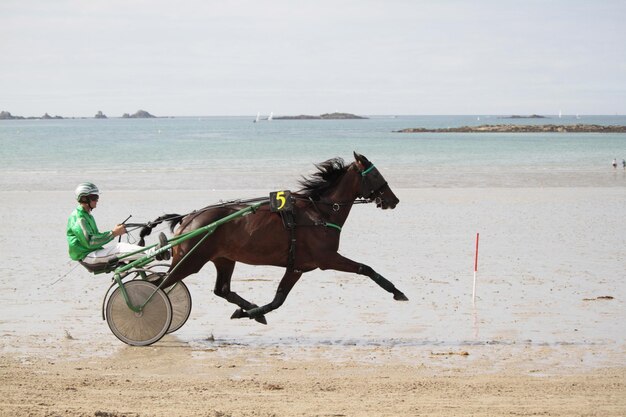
point(361, 161)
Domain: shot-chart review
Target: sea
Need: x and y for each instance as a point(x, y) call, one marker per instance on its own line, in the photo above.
point(233, 153)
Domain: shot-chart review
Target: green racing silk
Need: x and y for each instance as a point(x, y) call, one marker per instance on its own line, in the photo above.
point(83, 236)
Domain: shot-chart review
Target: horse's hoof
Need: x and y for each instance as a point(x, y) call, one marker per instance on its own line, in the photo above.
point(400, 297)
point(261, 319)
point(239, 313)
point(163, 256)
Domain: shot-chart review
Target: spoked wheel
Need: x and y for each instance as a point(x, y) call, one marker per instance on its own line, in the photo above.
point(145, 327)
point(180, 298)
point(181, 305)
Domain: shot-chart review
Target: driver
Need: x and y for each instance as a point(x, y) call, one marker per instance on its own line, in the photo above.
point(86, 242)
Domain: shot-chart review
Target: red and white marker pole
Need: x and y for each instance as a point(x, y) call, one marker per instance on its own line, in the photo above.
point(475, 271)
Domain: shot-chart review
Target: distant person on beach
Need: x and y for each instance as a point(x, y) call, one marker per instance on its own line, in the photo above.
point(614, 163)
point(86, 242)
point(623, 163)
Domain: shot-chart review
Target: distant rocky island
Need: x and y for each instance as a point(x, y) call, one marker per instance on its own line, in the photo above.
point(578, 128)
point(325, 116)
point(139, 114)
point(517, 116)
point(5, 115)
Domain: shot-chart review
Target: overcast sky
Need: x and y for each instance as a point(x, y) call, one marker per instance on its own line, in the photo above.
point(206, 57)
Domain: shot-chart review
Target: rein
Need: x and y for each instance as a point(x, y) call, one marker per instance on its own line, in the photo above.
point(336, 205)
point(370, 185)
point(147, 227)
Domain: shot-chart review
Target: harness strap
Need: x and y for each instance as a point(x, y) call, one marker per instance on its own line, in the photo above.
point(364, 172)
point(289, 222)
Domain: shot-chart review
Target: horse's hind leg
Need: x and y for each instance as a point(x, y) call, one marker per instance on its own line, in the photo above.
point(286, 284)
point(340, 263)
point(225, 268)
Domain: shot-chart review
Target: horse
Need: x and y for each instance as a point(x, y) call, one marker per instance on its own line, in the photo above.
point(306, 240)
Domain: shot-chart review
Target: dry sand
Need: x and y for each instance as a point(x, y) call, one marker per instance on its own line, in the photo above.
point(541, 339)
point(166, 381)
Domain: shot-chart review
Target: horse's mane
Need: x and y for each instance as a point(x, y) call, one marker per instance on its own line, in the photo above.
point(328, 172)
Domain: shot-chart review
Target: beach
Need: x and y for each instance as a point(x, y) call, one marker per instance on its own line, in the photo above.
point(544, 337)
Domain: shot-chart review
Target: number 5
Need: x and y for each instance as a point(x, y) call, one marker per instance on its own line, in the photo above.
point(281, 197)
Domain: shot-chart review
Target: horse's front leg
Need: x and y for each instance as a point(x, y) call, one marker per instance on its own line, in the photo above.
point(286, 284)
point(225, 268)
point(343, 264)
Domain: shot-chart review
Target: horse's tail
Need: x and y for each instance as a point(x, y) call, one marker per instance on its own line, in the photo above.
point(173, 219)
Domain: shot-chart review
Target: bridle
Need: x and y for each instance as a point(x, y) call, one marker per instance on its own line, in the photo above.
point(372, 183)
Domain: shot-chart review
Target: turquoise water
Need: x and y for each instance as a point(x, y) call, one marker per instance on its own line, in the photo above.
point(234, 153)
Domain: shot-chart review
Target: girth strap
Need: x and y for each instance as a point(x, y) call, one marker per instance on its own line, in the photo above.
point(289, 222)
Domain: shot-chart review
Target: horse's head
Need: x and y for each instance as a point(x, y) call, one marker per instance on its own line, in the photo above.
point(373, 185)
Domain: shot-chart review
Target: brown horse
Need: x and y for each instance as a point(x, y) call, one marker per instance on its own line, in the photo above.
point(306, 240)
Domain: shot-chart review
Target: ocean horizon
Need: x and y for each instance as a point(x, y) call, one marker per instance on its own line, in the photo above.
point(563, 117)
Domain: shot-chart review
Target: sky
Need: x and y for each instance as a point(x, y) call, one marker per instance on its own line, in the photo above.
point(205, 57)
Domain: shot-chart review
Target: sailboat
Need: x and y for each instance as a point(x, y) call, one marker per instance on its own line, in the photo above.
point(559, 114)
point(270, 117)
point(258, 117)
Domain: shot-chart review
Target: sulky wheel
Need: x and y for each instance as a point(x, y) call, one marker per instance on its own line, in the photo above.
point(181, 305)
point(145, 327)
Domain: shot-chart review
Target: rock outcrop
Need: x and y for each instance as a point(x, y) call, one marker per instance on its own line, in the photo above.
point(5, 115)
point(48, 117)
point(325, 116)
point(517, 116)
point(578, 128)
point(139, 114)
point(100, 115)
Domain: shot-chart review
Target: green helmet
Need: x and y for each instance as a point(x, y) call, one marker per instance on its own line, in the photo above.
point(85, 189)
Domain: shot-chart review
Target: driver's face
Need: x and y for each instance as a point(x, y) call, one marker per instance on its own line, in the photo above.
point(93, 200)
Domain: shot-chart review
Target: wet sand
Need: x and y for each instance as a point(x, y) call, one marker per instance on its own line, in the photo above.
point(544, 338)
